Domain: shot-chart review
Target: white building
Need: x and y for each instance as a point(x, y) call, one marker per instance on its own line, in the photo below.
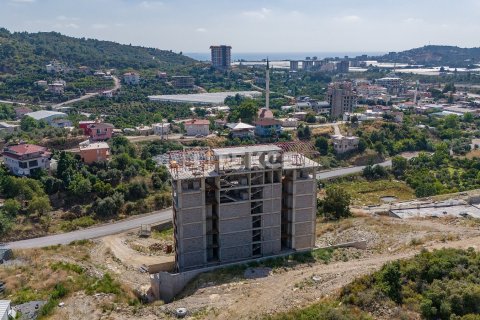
point(55, 66)
point(161, 129)
point(241, 130)
point(131, 78)
point(8, 127)
point(108, 93)
point(197, 127)
point(290, 123)
point(41, 83)
point(342, 144)
point(56, 88)
point(21, 159)
point(393, 84)
point(143, 130)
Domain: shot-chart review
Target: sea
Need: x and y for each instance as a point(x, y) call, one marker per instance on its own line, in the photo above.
point(279, 56)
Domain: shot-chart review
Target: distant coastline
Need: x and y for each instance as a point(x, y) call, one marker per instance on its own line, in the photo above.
point(278, 56)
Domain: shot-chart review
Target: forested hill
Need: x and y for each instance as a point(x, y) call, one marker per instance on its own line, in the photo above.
point(21, 51)
point(434, 55)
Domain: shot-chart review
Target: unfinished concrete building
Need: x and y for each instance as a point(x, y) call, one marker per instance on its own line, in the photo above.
point(242, 203)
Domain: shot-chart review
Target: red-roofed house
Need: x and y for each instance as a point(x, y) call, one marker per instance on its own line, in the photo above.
point(84, 125)
point(100, 131)
point(21, 111)
point(197, 127)
point(22, 159)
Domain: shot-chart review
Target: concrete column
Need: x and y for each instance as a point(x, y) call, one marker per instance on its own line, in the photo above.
point(204, 219)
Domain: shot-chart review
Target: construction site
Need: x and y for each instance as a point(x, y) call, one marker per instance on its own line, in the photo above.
point(237, 204)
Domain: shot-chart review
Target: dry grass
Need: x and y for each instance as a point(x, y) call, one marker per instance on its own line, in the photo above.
point(473, 154)
point(38, 271)
point(322, 131)
point(365, 193)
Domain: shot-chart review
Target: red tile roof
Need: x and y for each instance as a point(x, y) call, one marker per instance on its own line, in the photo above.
point(23, 149)
point(101, 125)
point(197, 122)
point(266, 122)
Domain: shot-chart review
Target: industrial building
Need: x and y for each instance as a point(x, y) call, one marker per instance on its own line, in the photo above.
point(241, 203)
point(221, 56)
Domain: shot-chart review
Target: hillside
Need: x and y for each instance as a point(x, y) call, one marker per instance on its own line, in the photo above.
point(434, 55)
point(22, 51)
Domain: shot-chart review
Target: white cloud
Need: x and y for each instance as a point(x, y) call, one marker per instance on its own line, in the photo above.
point(258, 14)
point(349, 19)
point(66, 26)
point(150, 4)
point(201, 30)
point(65, 18)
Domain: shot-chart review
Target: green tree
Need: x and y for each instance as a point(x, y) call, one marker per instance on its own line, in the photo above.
point(399, 166)
point(67, 167)
point(28, 124)
point(389, 279)
point(80, 186)
point(468, 117)
point(11, 207)
point(379, 147)
point(108, 206)
point(362, 145)
point(321, 143)
point(39, 205)
point(247, 111)
point(137, 190)
point(310, 118)
point(6, 223)
point(336, 204)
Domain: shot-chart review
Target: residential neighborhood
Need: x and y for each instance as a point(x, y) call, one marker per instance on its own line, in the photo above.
point(239, 160)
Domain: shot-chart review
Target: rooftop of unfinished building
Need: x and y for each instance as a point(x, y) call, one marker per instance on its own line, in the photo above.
point(204, 163)
point(246, 149)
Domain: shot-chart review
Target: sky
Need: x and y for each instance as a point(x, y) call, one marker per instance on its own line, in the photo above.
point(255, 25)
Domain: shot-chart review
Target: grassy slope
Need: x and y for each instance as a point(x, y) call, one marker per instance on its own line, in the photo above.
point(365, 192)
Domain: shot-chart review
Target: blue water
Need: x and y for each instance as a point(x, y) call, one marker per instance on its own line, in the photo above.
point(276, 56)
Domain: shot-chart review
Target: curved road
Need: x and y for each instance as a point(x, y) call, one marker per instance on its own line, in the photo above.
point(95, 232)
point(153, 218)
point(346, 171)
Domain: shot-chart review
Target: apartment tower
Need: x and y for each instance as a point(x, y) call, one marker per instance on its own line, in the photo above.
point(221, 56)
point(341, 97)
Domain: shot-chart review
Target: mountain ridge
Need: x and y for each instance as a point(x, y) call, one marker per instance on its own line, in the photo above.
point(22, 50)
point(435, 55)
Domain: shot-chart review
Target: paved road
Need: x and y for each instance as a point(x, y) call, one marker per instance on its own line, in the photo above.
point(117, 85)
point(346, 171)
point(95, 232)
point(13, 102)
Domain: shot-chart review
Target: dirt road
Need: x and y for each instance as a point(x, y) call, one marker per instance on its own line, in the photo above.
point(287, 289)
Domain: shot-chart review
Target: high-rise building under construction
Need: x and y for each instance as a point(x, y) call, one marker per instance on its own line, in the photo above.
point(241, 203)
